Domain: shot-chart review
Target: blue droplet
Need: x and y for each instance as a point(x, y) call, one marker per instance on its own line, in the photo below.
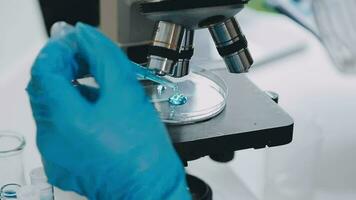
point(9, 193)
point(178, 99)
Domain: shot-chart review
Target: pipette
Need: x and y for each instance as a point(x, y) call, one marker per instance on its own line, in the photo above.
point(60, 29)
point(145, 73)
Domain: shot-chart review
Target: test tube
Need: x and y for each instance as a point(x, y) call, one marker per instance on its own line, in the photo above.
point(39, 180)
point(11, 160)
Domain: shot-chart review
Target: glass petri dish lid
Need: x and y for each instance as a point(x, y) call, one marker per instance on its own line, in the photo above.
point(11, 143)
point(205, 92)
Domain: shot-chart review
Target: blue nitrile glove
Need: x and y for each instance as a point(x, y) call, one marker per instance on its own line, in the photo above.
point(106, 143)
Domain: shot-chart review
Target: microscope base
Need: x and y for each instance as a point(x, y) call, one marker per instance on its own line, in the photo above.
point(251, 119)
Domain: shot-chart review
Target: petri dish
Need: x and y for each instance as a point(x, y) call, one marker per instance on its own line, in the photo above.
point(11, 143)
point(205, 94)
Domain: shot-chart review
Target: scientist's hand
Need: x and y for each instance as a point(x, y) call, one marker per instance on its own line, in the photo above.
point(106, 143)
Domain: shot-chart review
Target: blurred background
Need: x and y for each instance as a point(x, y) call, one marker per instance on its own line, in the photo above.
point(304, 50)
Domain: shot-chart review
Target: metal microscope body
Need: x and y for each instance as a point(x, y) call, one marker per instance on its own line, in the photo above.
point(173, 22)
point(172, 44)
point(160, 33)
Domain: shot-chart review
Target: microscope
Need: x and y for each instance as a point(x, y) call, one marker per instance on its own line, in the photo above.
point(160, 35)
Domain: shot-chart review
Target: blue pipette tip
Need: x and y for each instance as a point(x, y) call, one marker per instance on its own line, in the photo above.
point(145, 73)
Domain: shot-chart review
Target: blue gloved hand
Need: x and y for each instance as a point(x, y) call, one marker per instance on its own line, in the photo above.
point(105, 143)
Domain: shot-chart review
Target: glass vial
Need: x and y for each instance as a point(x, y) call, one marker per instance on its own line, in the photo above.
point(11, 161)
point(39, 180)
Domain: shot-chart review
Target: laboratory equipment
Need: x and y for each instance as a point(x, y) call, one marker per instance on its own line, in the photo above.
point(60, 29)
point(201, 95)
point(337, 28)
point(9, 191)
point(11, 161)
point(146, 74)
point(28, 192)
point(300, 11)
point(170, 50)
point(246, 117)
point(39, 181)
point(174, 34)
point(331, 21)
point(122, 103)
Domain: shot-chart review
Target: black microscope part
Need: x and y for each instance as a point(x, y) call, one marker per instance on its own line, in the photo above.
point(198, 188)
point(223, 157)
point(70, 11)
point(175, 5)
point(233, 48)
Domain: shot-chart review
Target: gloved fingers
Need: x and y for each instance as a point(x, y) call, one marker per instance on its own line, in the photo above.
point(66, 36)
point(88, 92)
point(50, 87)
point(78, 67)
point(55, 58)
point(61, 177)
point(52, 138)
point(107, 63)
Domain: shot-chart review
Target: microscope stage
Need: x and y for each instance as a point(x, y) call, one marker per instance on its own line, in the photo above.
point(251, 119)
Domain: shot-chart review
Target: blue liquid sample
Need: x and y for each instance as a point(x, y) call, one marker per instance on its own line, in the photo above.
point(178, 99)
point(9, 191)
point(9, 194)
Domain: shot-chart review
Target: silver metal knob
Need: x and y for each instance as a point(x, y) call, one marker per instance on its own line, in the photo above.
point(185, 54)
point(232, 45)
point(164, 51)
